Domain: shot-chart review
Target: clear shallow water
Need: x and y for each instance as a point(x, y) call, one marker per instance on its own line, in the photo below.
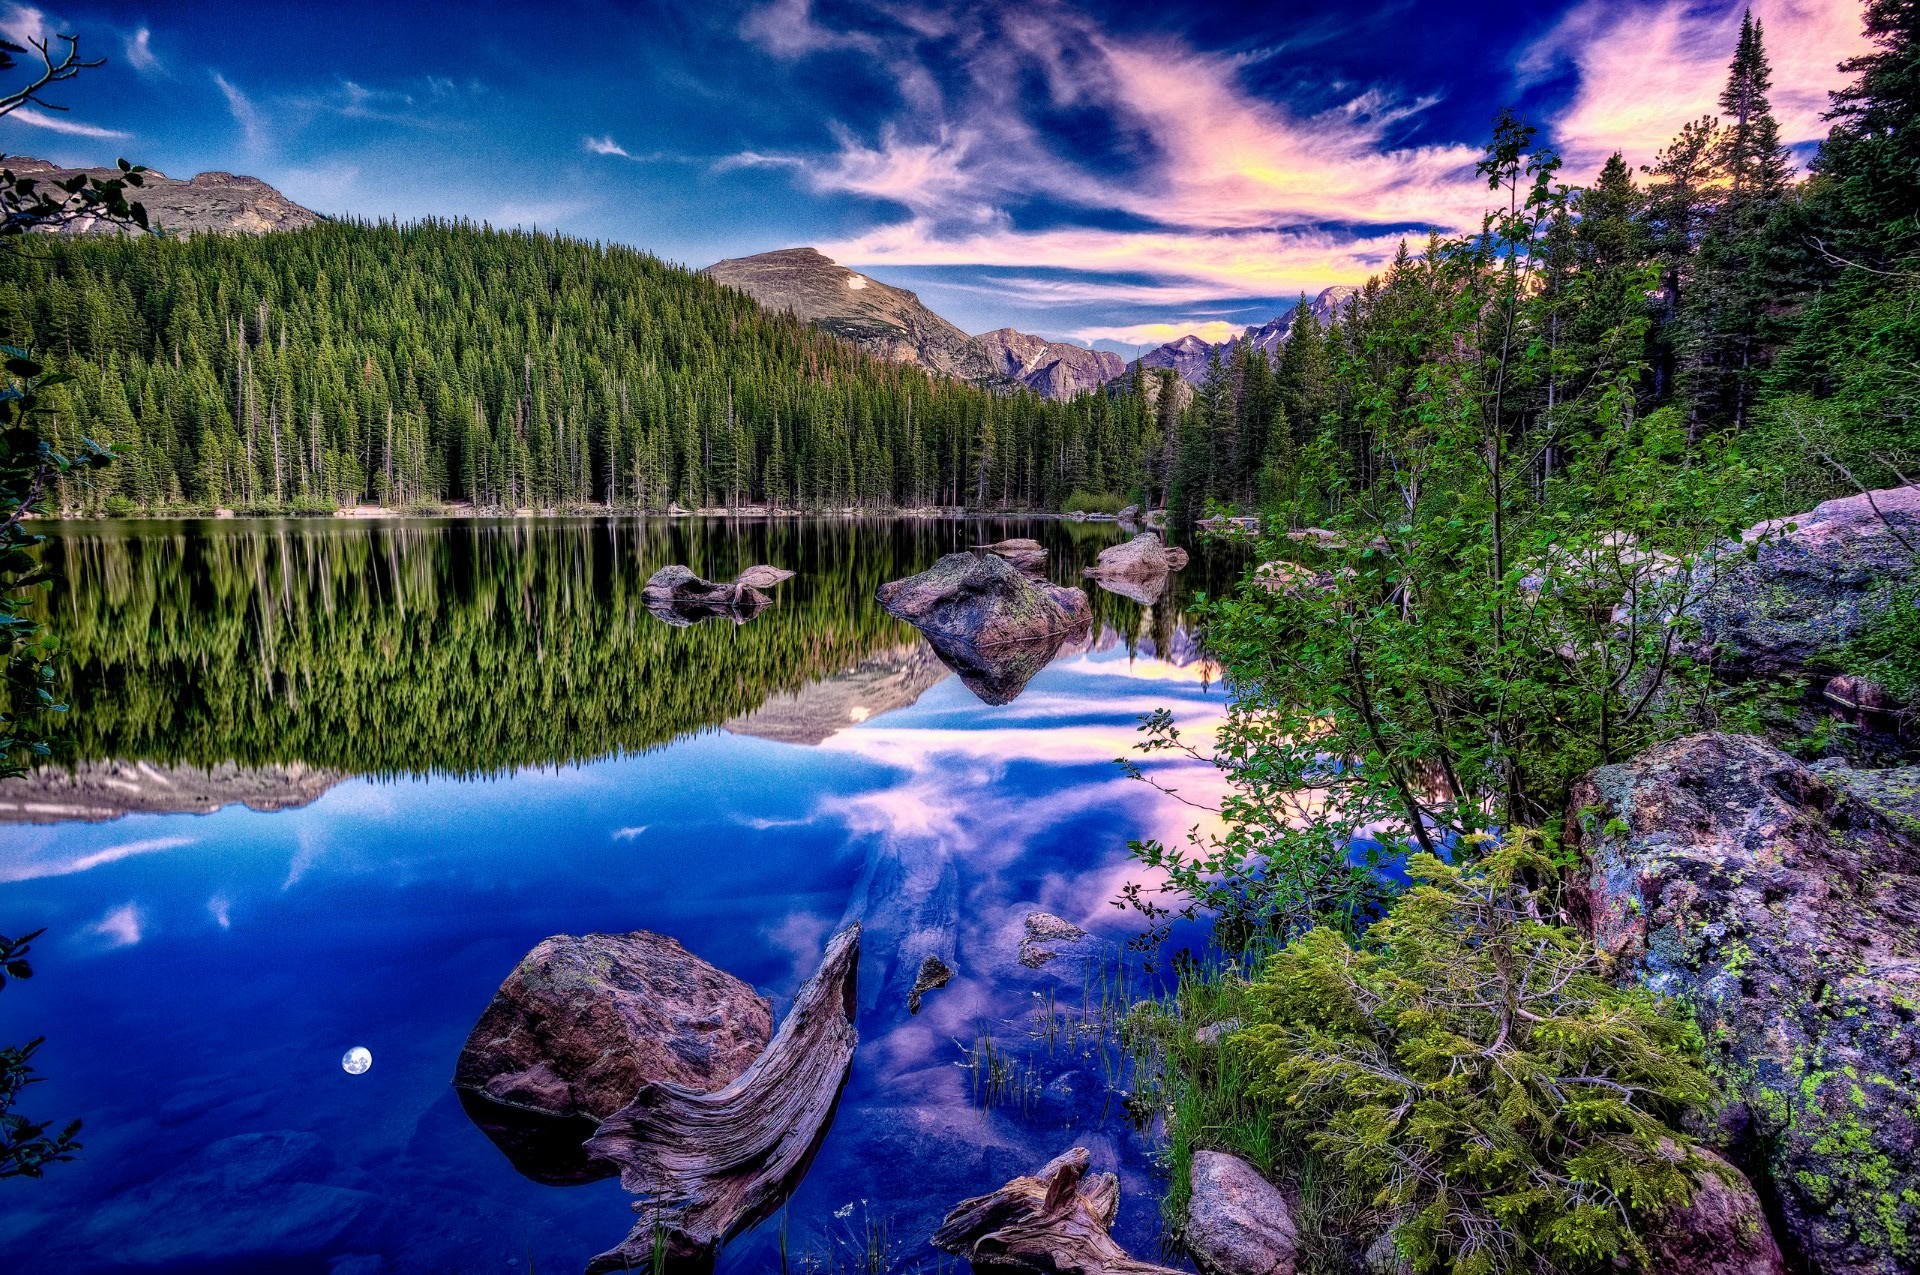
point(746, 790)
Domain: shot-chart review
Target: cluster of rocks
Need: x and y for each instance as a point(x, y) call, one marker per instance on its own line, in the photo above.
point(679, 597)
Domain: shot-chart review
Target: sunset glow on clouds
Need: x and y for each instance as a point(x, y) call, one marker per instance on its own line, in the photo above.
point(1072, 167)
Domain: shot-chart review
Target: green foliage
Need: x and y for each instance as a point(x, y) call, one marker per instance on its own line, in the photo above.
point(1089, 502)
point(1470, 1070)
point(1887, 651)
point(26, 1146)
point(437, 363)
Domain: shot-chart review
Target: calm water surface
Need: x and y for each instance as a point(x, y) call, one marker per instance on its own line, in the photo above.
point(440, 742)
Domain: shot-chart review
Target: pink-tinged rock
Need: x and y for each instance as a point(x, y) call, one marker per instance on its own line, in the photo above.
point(1238, 1223)
point(1721, 1231)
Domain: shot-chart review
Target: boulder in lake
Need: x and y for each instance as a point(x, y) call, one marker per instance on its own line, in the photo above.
point(1145, 557)
point(678, 587)
point(1782, 906)
point(1044, 935)
point(1028, 555)
point(1237, 1222)
point(982, 600)
point(584, 1023)
point(997, 673)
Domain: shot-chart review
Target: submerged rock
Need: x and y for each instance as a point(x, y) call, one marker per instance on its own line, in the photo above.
point(934, 974)
point(999, 672)
point(1237, 1222)
point(1783, 908)
point(1044, 934)
point(582, 1024)
point(981, 600)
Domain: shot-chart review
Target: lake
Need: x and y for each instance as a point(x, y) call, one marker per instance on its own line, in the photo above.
point(426, 745)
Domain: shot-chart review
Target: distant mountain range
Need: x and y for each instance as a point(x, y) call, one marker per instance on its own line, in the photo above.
point(212, 203)
point(895, 324)
point(879, 318)
point(1189, 355)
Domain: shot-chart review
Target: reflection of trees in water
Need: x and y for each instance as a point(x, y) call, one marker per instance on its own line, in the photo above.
point(394, 648)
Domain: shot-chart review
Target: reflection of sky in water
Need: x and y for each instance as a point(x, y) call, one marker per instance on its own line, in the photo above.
point(203, 976)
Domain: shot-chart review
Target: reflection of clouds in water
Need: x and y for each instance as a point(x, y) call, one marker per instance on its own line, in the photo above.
point(802, 936)
point(49, 861)
point(629, 834)
point(120, 927)
point(220, 908)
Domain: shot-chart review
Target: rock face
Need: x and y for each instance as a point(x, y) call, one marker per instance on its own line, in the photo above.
point(583, 1023)
point(1807, 591)
point(212, 203)
point(1145, 557)
point(1238, 1223)
point(882, 320)
point(1784, 909)
point(1052, 369)
point(1723, 1230)
point(1058, 1221)
point(982, 599)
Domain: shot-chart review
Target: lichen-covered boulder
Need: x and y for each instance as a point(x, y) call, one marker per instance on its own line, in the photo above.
point(981, 599)
point(1795, 590)
point(1237, 1222)
point(582, 1023)
point(1028, 555)
point(1785, 910)
point(1145, 557)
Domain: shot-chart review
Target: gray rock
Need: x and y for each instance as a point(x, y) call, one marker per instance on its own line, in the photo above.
point(582, 1024)
point(934, 974)
point(677, 586)
point(1028, 555)
point(981, 600)
point(1795, 590)
point(1214, 1033)
point(1145, 557)
point(1238, 1223)
point(1894, 791)
point(1783, 909)
point(1383, 1257)
point(1044, 933)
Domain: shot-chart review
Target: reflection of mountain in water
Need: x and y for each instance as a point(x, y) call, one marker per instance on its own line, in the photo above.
point(878, 684)
point(479, 646)
point(96, 791)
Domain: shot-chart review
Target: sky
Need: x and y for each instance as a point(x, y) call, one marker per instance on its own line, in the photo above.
point(1103, 173)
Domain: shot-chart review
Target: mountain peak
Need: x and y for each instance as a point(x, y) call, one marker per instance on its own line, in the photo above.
point(210, 203)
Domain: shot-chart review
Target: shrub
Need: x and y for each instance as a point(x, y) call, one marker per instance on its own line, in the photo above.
point(1089, 502)
point(1468, 1068)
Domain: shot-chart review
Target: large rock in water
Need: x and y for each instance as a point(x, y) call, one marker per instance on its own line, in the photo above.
point(1238, 1223)
point(1786, 911)
point(584, 1023)
point(1145, 557)
point(1797, 589)
point(981, 599)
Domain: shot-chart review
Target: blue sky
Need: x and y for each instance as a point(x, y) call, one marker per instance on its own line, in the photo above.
point(1084, 170)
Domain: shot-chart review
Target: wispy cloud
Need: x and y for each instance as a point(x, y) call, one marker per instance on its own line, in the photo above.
point(604, 146)
point(140, 54)
point(61, 124)
point(1213, 331)
point(629, 834)
point(253, 125)
point(120, 927)
point(35, 864)
point(1646, 68)
point(26, 25)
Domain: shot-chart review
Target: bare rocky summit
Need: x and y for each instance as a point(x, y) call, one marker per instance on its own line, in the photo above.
point(1189, 356)
point(97, 791)
point(1051, 369)
point(211, 203)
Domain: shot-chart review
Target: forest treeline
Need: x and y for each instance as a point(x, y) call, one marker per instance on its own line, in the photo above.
point(447, 362)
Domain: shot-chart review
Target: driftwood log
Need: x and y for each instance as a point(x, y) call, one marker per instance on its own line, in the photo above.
point(1058, 1222)
point(708, 1166)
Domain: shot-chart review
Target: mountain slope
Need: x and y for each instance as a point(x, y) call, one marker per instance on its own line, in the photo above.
point(212, 203)
point(1052, 369)
point(880, 319)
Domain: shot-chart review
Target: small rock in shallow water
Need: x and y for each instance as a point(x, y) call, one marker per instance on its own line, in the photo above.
point(1045, 931)
point(934, 974)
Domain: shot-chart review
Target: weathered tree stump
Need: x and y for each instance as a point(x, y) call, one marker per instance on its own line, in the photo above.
point(1058, 1222)
point(710, 1165)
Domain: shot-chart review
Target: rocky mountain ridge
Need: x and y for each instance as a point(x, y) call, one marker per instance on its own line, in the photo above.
point(210, 203)
point(1189, 355)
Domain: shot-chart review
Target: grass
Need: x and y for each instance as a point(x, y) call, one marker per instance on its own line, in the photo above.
point(1200, 1094)
point(1093, 502)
